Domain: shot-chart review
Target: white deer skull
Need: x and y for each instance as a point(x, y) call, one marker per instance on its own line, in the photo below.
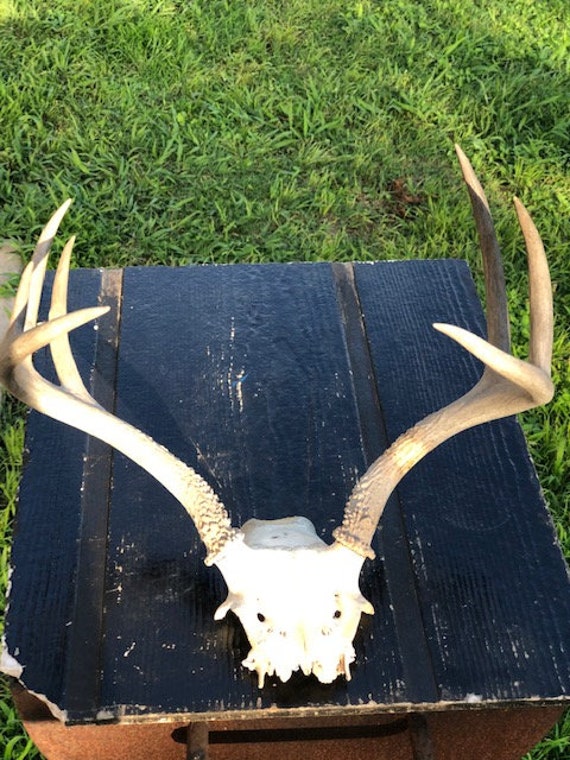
point(297, 598)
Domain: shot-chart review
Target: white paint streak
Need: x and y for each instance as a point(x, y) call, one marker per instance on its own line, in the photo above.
point(238, 384)
point(130, 649)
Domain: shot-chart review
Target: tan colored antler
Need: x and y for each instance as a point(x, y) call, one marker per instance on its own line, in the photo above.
point(71, 403)
point(508, 385)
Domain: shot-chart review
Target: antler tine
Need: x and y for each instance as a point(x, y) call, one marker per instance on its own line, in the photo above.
point(541, 312)
point(508, 385)
point(39, 263)
point(495, 289)
point(16, 349)
point(18, 345)
point(63, 360)
point(71, 403)
point(16, 321)
point(27, 299)
point(24, 336)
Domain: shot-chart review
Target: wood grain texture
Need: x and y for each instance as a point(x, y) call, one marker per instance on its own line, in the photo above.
point(280, 384)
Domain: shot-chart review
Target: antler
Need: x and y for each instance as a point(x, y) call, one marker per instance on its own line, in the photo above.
point(508, 385)
point(72, 404)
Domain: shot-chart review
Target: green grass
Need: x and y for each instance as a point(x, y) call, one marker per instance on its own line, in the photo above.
point(13, 743)
point(225, 131)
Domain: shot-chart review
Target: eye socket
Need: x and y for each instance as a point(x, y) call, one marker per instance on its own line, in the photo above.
point(261, 617)
point(337, 614)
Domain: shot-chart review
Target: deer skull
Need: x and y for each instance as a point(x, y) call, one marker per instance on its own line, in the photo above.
point(297, 598)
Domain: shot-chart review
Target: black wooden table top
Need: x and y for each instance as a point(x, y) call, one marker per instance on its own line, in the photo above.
point(279, 384)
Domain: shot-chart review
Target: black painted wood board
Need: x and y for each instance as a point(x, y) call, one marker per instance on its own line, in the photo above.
point(492, 585)
point(279, 384)
point(48, 527)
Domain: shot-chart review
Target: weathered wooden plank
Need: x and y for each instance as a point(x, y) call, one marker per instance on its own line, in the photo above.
point(491, 579)
point(48, 527)
point(393, 556)
point(86, 632)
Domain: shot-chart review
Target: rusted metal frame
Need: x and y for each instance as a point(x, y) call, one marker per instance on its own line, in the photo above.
point(420, 739)
point(197, 743)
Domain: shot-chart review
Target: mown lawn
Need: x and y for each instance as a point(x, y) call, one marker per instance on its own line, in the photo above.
point(262, 130)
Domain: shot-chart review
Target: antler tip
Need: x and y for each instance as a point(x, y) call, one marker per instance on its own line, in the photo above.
point(522, 211)
point(51, 227)
point(60, 212)
point(465, 164)
point(459, 152)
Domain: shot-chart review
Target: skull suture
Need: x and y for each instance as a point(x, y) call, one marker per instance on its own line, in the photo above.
point(297, 599)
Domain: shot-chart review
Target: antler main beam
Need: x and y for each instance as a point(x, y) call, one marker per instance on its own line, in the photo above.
point(71, 403)
point(508, 385)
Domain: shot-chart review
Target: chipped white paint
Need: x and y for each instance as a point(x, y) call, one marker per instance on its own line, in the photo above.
point(238, 386)
point(54, 709)
point(9, 665)
point(103, 716)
